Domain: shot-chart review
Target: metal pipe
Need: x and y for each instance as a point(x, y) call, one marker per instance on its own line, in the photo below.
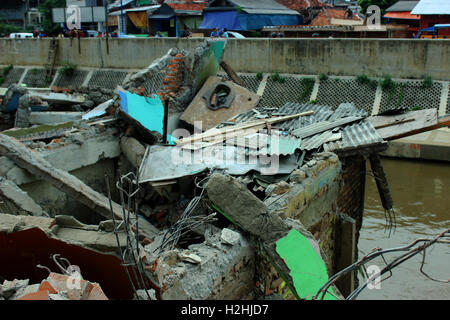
point(121, 17)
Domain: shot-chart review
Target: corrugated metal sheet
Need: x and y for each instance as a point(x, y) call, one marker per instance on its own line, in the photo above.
point(402, 6)
point(316, 141)
point(322, 126)
point(347, 110)
point(162, 163)
point(432, 7)
point(311, 128)
point(263, 144)
point(361, 134)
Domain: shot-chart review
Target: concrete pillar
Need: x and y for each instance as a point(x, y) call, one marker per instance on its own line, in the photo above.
point(345, 247)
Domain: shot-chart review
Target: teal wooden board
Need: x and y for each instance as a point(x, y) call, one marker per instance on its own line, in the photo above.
point(148, 111)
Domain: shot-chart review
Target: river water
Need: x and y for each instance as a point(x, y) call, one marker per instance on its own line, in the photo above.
point(421, 194)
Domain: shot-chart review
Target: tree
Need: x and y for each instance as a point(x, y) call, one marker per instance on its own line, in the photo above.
point(6, 28)
point(46, 10)
point(383, 4)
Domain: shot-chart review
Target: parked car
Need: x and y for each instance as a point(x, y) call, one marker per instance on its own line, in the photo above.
point(91, 33)
point(21, 35)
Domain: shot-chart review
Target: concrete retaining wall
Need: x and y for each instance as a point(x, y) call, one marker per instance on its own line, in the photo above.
point(402, 58)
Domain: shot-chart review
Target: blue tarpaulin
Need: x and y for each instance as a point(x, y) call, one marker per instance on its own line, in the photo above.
point(258, 21)
point(221, 19)
point(232, 20)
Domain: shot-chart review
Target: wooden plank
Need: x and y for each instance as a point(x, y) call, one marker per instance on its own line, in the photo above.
point(225, 131)
point(393, 127)
point(64, 181)
point(233, 75)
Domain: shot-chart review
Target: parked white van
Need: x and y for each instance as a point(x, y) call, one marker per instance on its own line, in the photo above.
point(21, 35)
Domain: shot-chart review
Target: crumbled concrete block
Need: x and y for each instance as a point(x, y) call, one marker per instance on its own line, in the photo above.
point(189, 257)
point(297, 176)
point(230, 237)
point(71, 222)
point(143, 296)
point(278, 188)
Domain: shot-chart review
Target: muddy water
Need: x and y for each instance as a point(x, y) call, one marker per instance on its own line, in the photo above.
point(421, 193)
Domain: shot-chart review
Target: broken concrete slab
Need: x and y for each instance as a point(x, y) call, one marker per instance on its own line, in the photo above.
point(242, 208)
point(12, 223)
point(67, 157)
point(62, 180)
point(71, 222)
point(54, 117)
point(59, 98)
point(203, 118)
point(66, 229)
point(133, 150)
point(235, 201)
point(230, 237)
point(21, 201)
point(39, 132)
point(224, 272)
point(98, 111)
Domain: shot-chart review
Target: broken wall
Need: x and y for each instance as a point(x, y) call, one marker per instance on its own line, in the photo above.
point(55, 201)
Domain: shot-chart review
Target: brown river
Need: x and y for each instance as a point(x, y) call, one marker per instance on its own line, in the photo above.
point(421, 194)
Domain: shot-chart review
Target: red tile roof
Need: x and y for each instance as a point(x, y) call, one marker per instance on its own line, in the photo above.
point(299, 5)
point(323, 18)
point(187, 5)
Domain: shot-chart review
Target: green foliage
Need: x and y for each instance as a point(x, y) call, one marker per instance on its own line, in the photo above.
point(239, 9)
point(383, 4)
point(34, 71)
point(6, 28)
point(308, 83)
point(259, 76)
point(323, 77)
point(363, 79)
point(68, 69)
point(387, 83)
point(5, 72)
point(313, 102)
point(402, 95)
point(427, 82)
point(415, 108)
point(46, 10)
point(277, 77)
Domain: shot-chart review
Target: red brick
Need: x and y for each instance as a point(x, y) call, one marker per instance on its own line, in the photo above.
point(40, 295)
point(46, 286)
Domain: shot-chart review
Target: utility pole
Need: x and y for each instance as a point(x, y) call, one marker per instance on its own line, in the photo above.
point(121, 17)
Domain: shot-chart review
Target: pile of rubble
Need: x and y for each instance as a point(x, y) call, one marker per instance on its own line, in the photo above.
point(240, 202)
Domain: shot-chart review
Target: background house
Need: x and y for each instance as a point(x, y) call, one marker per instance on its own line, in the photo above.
point(245, 15)
point(400, 14)
point(22, 13)
point(433, 12)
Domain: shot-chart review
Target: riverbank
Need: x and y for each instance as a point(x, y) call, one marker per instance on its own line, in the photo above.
point(419, 190)
point(431, 145)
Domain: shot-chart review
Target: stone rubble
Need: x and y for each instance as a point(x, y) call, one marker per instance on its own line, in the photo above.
point(206, 235)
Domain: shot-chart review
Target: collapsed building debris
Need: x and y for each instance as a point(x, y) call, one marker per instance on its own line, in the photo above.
point(251, 203)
